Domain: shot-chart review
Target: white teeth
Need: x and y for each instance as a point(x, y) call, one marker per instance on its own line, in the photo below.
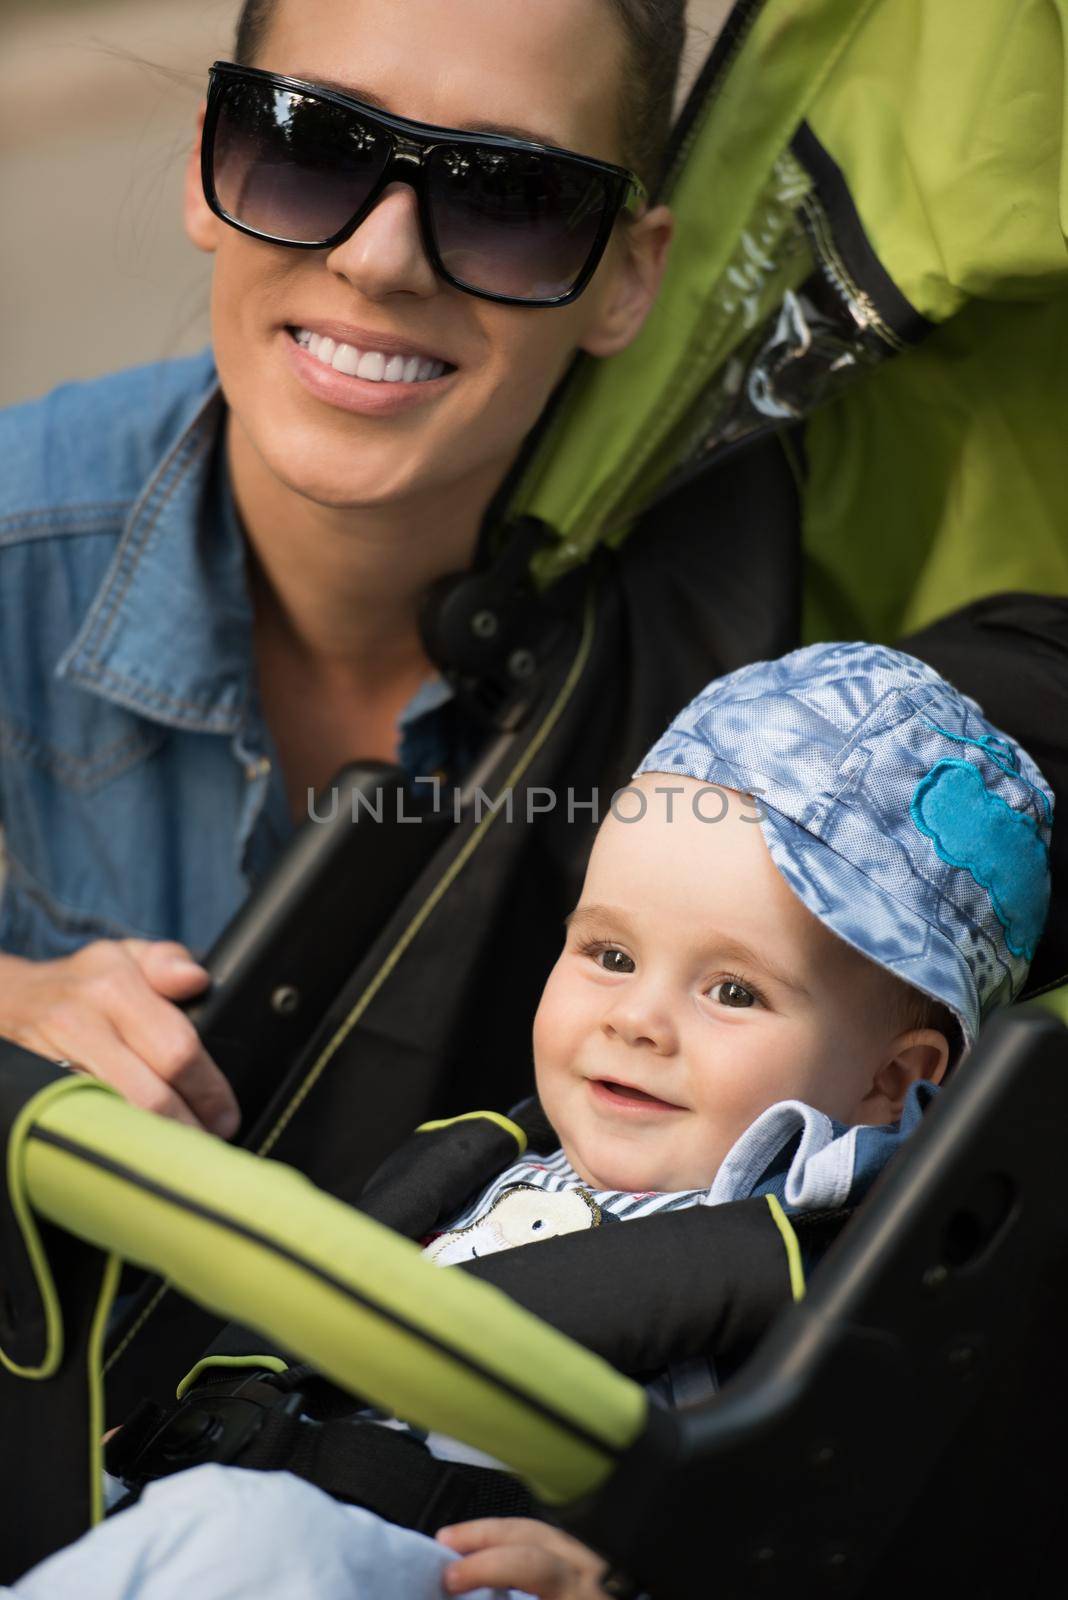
point(372, 366)
point(346, 359)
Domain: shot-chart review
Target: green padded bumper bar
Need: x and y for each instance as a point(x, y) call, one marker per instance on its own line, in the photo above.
point(254, 1240)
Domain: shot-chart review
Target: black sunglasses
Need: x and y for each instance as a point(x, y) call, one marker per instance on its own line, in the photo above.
point(501, 218)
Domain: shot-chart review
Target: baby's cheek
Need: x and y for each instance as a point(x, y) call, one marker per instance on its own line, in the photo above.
point(832, 1061)
point(554, 1024)
point(544, 1057)
point(752, 1073)
point(541, 1039)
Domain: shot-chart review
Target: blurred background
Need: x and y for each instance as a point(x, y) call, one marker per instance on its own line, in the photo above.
point(97, 104)
point(97, 101)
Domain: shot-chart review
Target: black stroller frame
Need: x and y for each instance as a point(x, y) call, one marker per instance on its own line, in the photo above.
point(895, 1425)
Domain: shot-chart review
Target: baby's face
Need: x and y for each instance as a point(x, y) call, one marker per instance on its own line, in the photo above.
point(693, 992)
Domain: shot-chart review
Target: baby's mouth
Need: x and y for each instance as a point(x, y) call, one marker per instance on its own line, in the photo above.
point(626, 1091)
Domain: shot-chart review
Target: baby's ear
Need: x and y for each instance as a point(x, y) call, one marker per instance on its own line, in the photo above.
point(919, 1053)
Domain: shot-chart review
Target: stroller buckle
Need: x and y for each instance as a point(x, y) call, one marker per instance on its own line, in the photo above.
point(209, 1424)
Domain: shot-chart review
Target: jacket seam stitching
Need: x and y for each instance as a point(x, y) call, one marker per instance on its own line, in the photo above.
point(61, 519)
point(104, 765)
point(104, 612)
point(162, 491)
point(145, 697)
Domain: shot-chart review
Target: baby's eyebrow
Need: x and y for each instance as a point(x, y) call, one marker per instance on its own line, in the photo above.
point(593, 913)
point(734, 950)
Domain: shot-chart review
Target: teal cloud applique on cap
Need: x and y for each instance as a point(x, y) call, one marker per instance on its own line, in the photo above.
point(999, 846)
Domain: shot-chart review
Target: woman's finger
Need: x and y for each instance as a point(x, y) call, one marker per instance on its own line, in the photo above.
point(170, 968)
point(168, 1043)
point(112, 982)
point(92, 1044)
point(102, 1009)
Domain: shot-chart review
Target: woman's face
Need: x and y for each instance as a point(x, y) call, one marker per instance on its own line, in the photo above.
point(552, 69)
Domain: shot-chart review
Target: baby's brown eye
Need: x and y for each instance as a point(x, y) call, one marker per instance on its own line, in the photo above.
point(614, 961)
point(731, 993)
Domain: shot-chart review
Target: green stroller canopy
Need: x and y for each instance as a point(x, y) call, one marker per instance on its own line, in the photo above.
point(871, 200)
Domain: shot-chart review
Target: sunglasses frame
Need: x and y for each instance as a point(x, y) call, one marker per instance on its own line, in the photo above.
point(411, 144)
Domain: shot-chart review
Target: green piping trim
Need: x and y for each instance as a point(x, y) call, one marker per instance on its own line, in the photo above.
point(567, 689)
point(138, 1325)
point(477, 1116)
point(225, 1363)
point(793, 1249)
point(16, 1185)
point(109, 1285)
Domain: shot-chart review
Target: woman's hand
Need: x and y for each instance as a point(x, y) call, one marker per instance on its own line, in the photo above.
point(519, 1553)
point(108, 1010)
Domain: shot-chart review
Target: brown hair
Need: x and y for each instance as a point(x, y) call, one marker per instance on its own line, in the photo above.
point(655, 32)
point(909, 1008)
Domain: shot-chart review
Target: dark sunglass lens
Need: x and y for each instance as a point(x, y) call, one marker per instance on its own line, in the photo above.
point(292, 165)
point(514, 222)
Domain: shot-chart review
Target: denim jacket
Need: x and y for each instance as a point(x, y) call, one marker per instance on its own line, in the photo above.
point(139, 789)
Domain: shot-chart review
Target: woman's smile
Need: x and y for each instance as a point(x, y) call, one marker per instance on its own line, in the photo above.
point(328, 339)
point(557, 65)
point(371, 379)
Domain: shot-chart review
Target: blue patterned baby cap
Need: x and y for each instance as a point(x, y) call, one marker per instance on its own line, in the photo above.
point(911, 826)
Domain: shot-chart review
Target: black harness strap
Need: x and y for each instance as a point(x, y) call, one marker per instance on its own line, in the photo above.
point(437, 1170)
point(388, 1472)
point(259, 1422)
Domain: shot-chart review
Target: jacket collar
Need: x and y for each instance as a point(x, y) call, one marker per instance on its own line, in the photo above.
point(169, 632)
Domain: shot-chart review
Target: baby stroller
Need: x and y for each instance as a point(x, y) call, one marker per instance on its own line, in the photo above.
point(862, 1444)
point(835, 423)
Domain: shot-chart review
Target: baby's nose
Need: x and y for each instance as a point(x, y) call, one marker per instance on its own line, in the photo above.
point(643, 1021)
